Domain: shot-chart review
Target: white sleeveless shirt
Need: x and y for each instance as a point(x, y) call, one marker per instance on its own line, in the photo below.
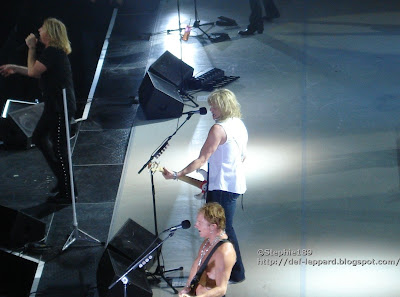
point(226, 170)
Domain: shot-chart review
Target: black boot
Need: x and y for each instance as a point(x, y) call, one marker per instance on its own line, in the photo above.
point(251, 31)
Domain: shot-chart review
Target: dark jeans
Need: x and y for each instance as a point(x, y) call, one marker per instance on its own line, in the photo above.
point(228, 202)
point(51, 139)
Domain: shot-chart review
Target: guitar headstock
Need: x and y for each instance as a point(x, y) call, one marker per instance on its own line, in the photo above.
point(155, 166)
point(161, 150)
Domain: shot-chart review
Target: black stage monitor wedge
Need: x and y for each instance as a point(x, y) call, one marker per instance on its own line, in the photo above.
point(111, 267)
point(132, 240)
point(171, 69)
point(159, 99)
point(16, 275)
point(17, 228)
point(21, 124)
point(13, 105)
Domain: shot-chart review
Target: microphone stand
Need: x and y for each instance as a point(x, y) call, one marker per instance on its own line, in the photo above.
point(140, 262)
point(197, 24)
point(162, 147)
point(184, 95)
point(76, 234)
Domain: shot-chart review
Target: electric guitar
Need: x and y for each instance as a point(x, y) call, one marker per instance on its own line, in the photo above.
point(202, 185)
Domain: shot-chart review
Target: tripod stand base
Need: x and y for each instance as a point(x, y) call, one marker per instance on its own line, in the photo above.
point(159, 272)
point(197, 24)
point(78, 234)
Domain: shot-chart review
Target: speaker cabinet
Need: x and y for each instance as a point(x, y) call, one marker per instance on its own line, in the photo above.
point(21, 124)
point(13, 105)
point(171, 69)
point(111, 267)
point(17, 228)
point(159, 98)
point(16, 275)
point(132, 240)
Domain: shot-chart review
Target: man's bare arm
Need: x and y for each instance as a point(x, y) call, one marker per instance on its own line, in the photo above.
point(216, 136)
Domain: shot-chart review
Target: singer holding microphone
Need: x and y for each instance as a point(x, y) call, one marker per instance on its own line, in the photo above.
point(53, 70)
point(225, 150)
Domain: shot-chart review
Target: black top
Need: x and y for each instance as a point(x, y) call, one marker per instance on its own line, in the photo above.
point(57, 76)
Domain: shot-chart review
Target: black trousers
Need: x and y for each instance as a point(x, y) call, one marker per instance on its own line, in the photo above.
point(255, 19)
point(51, 139)
point(270, 9)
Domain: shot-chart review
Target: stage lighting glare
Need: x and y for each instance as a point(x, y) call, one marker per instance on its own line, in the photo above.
point(270, 161)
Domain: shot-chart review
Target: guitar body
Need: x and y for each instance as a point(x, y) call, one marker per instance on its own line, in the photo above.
point(202, 185)
point(192, 291)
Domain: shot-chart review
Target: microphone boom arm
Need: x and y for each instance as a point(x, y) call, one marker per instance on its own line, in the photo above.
point(164, 144)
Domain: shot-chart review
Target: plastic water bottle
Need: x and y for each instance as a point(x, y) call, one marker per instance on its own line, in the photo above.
point(186, 35)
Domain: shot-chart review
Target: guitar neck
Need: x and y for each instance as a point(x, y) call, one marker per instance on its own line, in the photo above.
point(187, 179)
point(191, 181)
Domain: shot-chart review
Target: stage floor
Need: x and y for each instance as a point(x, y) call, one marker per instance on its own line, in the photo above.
point(320, 98)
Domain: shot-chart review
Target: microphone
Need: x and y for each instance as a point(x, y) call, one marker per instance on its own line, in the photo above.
point(184, 225)
point(23, 46)
point(201, 111)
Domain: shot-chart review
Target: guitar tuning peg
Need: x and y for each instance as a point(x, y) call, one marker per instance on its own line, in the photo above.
point(161, 150)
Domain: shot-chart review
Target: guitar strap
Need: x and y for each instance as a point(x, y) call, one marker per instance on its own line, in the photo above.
point(208, 175)
point(196, 278)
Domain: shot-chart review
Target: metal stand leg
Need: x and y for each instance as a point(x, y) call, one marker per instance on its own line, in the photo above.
point(76, 233)
point(160, 269)
point(197, 24)
point(125, 282)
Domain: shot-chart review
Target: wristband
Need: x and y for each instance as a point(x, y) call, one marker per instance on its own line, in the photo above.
point(175, 175)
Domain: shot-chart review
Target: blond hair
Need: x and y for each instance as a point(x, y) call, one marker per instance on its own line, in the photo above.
point(225, 100)
point(57, 33)
point(214, 214)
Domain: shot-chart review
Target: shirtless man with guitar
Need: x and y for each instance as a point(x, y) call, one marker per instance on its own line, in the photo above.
point(210, 278)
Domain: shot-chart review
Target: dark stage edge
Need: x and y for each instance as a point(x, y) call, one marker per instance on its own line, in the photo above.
point(99, 150)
